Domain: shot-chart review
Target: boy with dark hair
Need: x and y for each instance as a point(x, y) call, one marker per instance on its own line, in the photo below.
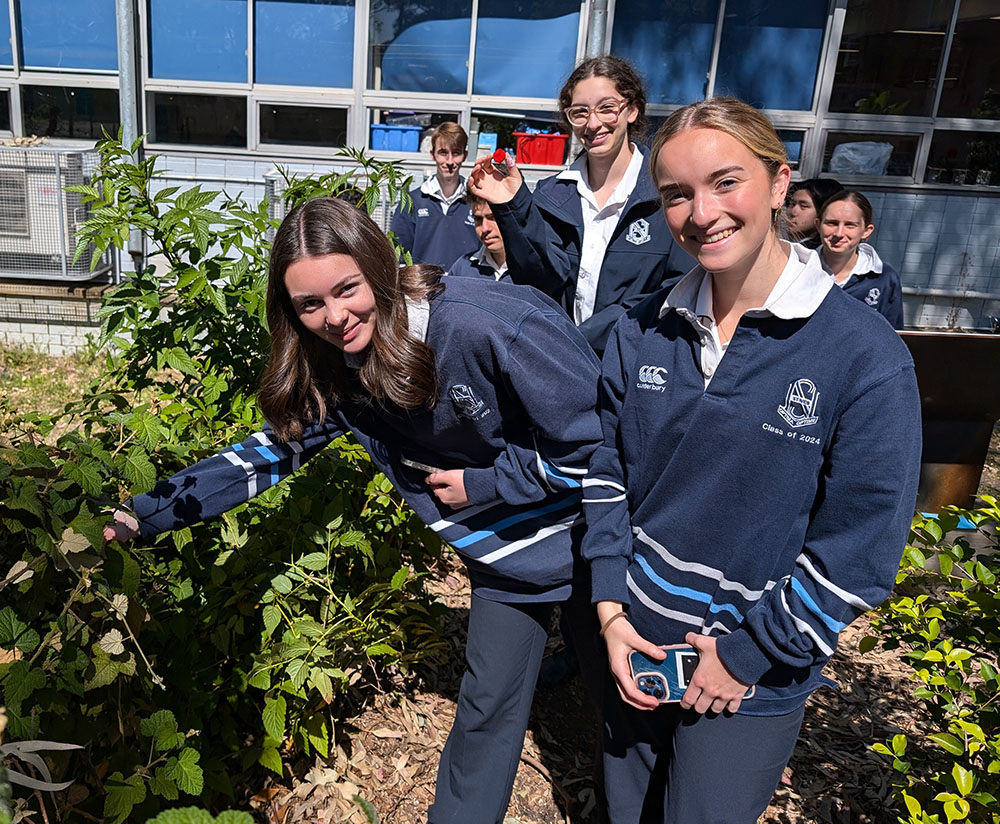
point(438, 229)
point(490, 259)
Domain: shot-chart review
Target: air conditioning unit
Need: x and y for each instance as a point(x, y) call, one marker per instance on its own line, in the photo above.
point(275, 187)
point(39, 219)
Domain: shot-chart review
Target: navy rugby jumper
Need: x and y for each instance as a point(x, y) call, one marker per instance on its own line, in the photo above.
point(543, 234)
point(769, 509)
point(516, 409)
point(878, 286)
point(473, 266)
point(431, 235)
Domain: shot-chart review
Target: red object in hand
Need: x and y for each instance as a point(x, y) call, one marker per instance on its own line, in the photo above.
point(499, 161)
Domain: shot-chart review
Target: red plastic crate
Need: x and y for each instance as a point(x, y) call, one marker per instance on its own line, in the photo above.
point(541, 149)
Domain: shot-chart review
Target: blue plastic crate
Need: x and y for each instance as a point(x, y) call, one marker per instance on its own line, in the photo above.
point(389, 138)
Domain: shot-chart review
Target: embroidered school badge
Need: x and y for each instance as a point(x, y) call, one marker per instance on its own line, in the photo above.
point(467, 405)
point(873, 295)
point(638, 232)
point(799, 408)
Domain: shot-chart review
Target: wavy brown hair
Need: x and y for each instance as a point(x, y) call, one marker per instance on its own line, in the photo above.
point(306, 376)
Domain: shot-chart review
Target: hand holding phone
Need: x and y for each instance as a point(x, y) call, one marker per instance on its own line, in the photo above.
point(430, 470)
point(667, 680)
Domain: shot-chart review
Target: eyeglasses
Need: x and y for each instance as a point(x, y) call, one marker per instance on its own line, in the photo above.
point(606, 112)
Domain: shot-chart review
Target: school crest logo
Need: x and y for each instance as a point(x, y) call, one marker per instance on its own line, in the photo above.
point(873, 295)
point(467, 405)
point(799, 408)
point(423, 212)
point(638, 232)
point(469, 221)
point(652, 377)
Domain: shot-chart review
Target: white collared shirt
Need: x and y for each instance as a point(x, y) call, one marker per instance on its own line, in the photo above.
point(482, 254)
point(798, 292)
point(432, 187)
point(868, 261)
point(598, 226)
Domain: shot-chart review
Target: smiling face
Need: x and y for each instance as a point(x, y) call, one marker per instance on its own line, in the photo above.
point(448, 161)
point(800, 213)
point(597, 137)
point(719, 198)
point(332, 299)
point(842, 227)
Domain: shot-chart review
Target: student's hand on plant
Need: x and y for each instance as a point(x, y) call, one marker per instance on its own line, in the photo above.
point(622, 640)
point(449, 487)
point(712, 686)
point(490, 185)
point(124, 528)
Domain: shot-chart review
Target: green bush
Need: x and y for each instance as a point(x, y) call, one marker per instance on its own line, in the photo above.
point(945, 616)
point(182, 664)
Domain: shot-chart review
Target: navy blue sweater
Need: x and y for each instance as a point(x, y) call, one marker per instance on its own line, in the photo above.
point(473, 266)
point(431, 235)
point(769, 509)
point(879, 287)
point(543, 235)
point(516, 409)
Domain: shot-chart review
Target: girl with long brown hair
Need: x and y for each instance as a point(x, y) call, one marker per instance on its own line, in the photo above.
point(477, 400)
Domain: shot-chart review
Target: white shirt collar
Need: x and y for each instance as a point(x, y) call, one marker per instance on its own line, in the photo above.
point(482, 254)
point(798, 292)
point(578, 172)
point(432, 187)
point(868, 261)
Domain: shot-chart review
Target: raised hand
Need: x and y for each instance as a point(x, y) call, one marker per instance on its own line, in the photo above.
point(492, 186)
point(123, 528)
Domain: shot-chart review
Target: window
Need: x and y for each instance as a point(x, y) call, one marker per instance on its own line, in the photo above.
point(198, 40)
point(418, 47)
point(670, 44)
point(6, 49)
point(56, 34)
point(304, 42)
point(302, 125)
point(793, 145)
point(525, 49)
point(971, 86)
point(769, 52)
point(889, 56)
point(201, 119)
point(512, 131)
point(402, 130)
point(59, 111)
point(854, 153)
point(4, 110)
point(965, 158)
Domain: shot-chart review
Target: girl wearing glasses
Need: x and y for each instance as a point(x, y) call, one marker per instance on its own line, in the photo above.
point(592, 237)
point(755, 487)
point(447, 383)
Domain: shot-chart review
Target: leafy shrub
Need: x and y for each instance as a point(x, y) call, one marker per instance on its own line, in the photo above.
point(946, 616)
point(181, 664)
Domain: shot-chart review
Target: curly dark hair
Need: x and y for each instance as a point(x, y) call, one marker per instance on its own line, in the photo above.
point(626, 80)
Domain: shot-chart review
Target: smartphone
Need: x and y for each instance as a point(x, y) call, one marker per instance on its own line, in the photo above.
point(667, 680)
point(417, 465)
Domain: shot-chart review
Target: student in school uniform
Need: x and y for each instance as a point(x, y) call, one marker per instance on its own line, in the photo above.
point(438, 229)
point(490, 259)
point(802, 208)
point(755, 487)
point(477, 400)
point(844, 223)
point(593, 236)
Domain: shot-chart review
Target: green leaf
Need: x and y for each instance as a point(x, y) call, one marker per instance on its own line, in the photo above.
point(297, 671)
point(281, 584)
point(318, 734)
point(963, 779)
point(866, 644)
point(21, 681)
point(321, 682)
point(161, 726)
point(122, 796)
point(15, 633)
point(160, 784)
point(137, 468)
point(272, 617)
point(402, 574)
point(86, 473)
point(314, 561)
point(147, 428)
point(185, 771)
point(233, 817)
point(181, 361)
point(899, 745)
point(274, 718)
point(948, 742)
point(957, 810)
point(912, 805)
point(260, 679)
point(271, 759)
point(367, 809)
point(380, 649)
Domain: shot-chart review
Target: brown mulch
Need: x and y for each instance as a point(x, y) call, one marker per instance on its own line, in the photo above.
point(388, 754)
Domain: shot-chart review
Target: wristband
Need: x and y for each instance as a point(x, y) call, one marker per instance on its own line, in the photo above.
point(611, 620)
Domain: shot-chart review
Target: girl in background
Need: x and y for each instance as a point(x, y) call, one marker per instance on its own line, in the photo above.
point(802, 208)
point(755, 487)
point(592, 237)
point(476, 399)
point(844, 223)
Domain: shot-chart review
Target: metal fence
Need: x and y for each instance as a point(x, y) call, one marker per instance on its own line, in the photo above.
point(39, 219)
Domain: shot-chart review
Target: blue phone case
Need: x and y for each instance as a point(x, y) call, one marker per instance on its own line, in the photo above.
point(667, 680)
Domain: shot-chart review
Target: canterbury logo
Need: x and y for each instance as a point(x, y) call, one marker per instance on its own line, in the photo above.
point(653, 375)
